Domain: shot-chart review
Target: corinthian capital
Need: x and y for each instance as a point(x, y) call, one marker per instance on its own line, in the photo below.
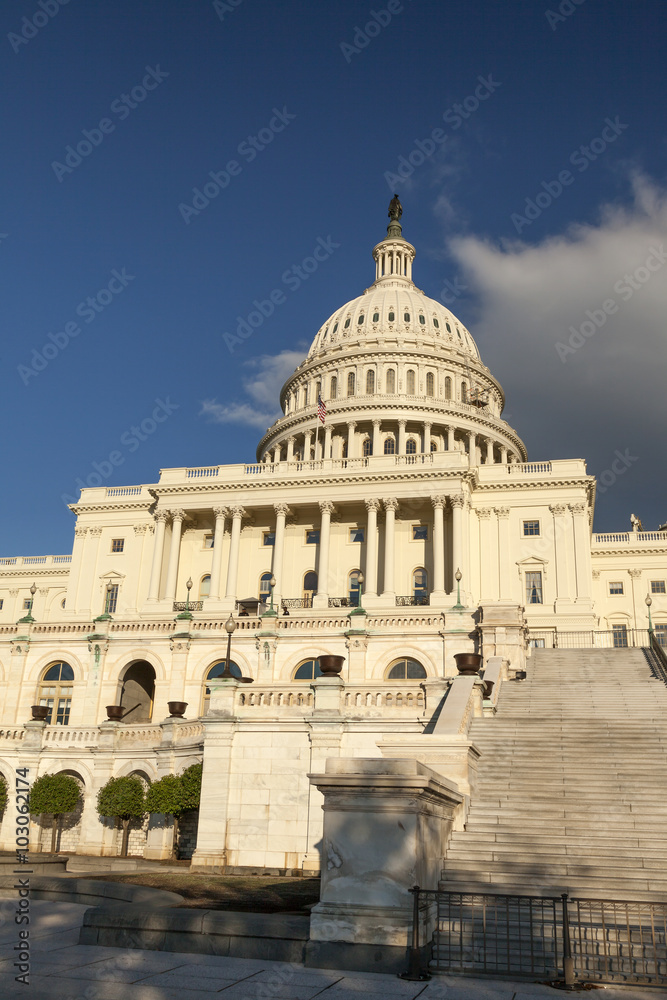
point(161, 515)
point(237, 511)
point(372, 504)
point(326, 507)
point(390, 503)
point(438, 501)
point(177, 515)
point(458, 500)
point(558, 509)
point(281, 508)
point(219, 512)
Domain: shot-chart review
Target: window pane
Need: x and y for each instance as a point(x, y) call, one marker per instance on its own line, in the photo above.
point(269, 538)
point(531, 527)
point(217, 670)
point(616, 587)
point(390, 446)
point(420, 532)
point(313, 537)
point(356, 534)
point(657, 586)
point(534, 588)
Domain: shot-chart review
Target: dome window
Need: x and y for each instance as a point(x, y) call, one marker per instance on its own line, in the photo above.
point(449, 329)
point(422, 320)
point(459, 333)
point(370, 383)
point(347, 323)
point(376, 317)
point(326, 334)
point(390, 446)
point(436, 324)
point(391, 317)
point(411, 447)
point(350, 384)
point(410, 382)
point(361, 319)
point(334, 329)
point(430, 384)
point(391, 382)
point(406, 317)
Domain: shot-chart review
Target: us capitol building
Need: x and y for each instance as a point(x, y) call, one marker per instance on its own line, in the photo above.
point(392, 518)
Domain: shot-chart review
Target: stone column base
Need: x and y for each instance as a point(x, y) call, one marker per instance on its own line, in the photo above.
point(209, 861)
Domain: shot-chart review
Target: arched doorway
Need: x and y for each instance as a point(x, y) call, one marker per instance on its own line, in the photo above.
point(137, 692)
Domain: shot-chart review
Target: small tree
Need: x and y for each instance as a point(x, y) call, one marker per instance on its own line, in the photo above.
point(56, 794)
point(167, 796)
point(124, 799)
point(191, 782)
point(4, 795)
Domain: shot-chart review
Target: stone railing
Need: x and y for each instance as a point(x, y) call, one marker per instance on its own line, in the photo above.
point(630, 537)
point(356, 699)
point(71, 735)
point(123, 491)
point(372, 699)
point(276, 698)
point(12, 734)
point(35, 561)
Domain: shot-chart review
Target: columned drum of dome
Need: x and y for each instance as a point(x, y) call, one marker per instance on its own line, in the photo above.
point(392, 365)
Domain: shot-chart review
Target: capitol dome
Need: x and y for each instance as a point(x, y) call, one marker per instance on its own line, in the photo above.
point(397, 374)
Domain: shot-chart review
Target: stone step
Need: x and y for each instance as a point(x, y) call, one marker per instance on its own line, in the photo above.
point(556, 853)
point(521, 888)
point(524, 839)
point(623, 888)
point(557, 869)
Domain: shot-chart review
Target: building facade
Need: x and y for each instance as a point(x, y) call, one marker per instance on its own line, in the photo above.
point(392, 517)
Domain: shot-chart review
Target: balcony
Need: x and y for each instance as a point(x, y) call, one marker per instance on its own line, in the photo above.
point(16, 562)
point(628, 539)
point(413, 601)
point(188, 606)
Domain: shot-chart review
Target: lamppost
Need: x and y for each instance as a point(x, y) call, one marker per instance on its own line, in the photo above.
point(359, 609)
point(649, 602)
point(106, 617)
point(458, 576)
point(28, 618)
point(187, 614)
point(271, 613)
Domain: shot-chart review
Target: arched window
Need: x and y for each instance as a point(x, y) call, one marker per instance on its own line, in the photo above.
point(390, 446)
point(436, 324)
point(333, 390)
point(405, 670)
point(376, 317)
point(448, 388)
point(406, 317)
point(391, 382)
point(411, 447)
point(307, 671)
point(350, 384)
point(430, 384)
point(391, 316)
point(422, 320)
point(265, 586)
point(360, 319)
point(370, 383)
point(55, 691)
point(309, 586)
point(434, 446)
point(304, 397)
point(353, 588)
point(204, 587)
point(464, 392)
point(367, 447)
point(410, 382)
point(137, 692)
point(344, 452)
point(420, 583)
point(216, 671)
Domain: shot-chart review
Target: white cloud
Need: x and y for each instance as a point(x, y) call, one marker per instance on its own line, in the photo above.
point(610, 392)
point(262, 389)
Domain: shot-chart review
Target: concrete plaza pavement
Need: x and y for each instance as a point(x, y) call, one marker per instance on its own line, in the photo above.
point(61, 969)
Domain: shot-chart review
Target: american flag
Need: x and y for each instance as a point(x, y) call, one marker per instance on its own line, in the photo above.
point(321, 409)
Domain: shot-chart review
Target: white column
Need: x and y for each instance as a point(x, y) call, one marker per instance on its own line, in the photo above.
point(390, 506)
point(504, 580)
point(158, 551)
point(290, 448)
point(276, 453)
point(450, 439)
point(177, 517)
point(351, 424)
point(401, 436)
point(503, 454)
point(582, 547)
point(371, 569)
point(472, 447)
point(321, 599)
point(235, 544)
point(282, 510)
point(487, 555)
point(216, 568)
point(457, 503)
point(427, 437)
point(376, 437)
point(328, 430)
point(561, 549)
point(438, 545)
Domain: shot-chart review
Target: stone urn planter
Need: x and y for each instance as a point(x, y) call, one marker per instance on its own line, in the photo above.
point(468, 664)
point(114, 713)
point(488, 688)
point(39, 713)
point(331, 665)
point(177, 709)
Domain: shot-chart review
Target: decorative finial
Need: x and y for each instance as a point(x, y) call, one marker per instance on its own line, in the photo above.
point(395, 212)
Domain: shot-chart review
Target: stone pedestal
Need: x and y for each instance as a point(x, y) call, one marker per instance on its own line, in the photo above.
point(503, 628)
point(386, 826)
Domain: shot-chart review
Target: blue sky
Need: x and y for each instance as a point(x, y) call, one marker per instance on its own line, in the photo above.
point(316, 117)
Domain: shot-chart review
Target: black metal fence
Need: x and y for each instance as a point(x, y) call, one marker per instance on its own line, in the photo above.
point(549, 937)
point(616, 638)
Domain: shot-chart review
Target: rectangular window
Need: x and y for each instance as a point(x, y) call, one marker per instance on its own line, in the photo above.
point(536, 643)
point(313, 537)
point(620, 634)
point(616, 587)
point(420, 532)
point(1, 604)
point(27, 603)
point(356, 534)
point(117, 544)
point(531, 527)
point(661, 635)
point(534, 588)
point(657, 586)
point(269, 538)
point(111, 600)
point(208, 541)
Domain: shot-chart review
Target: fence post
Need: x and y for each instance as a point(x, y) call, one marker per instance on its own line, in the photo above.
point(414, 973)
point(568, 961)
